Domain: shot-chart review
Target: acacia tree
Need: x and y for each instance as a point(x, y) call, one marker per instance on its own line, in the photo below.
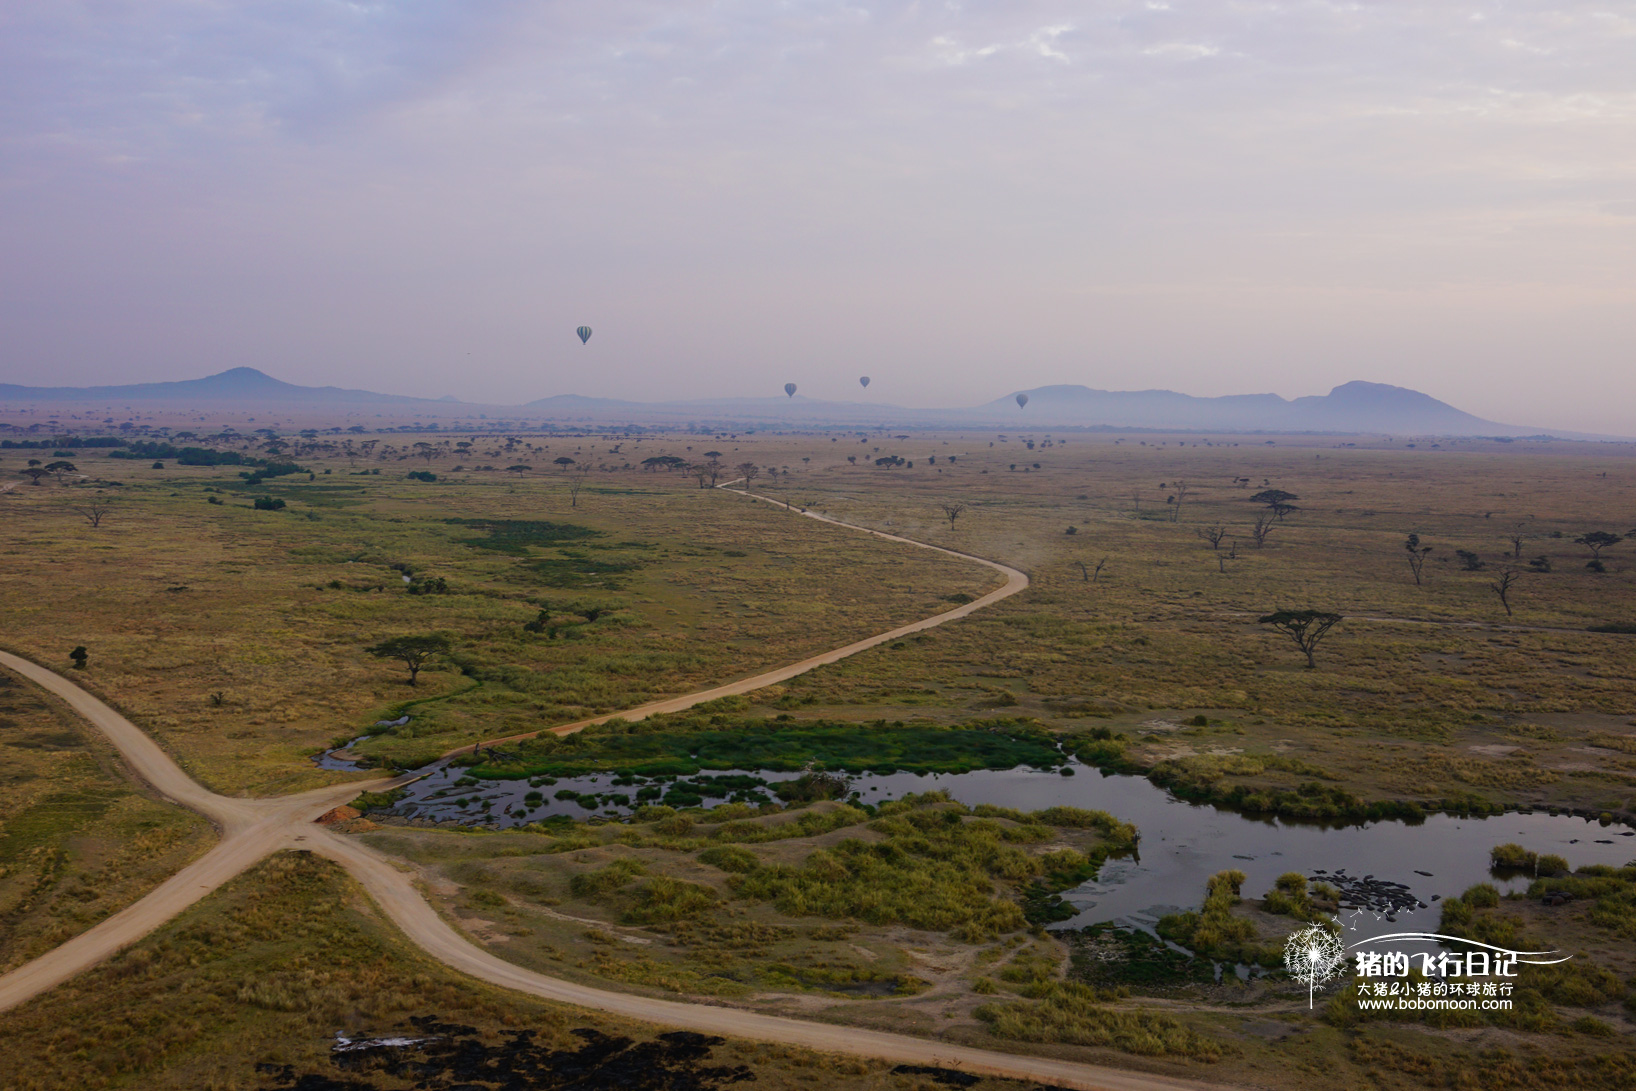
point(749, 471)
point(94, 511)
point(1596, 541)
point(1417, 555)
point(33, 473)
point(576, 482)
point(952, 511)
point(1305, 627)
point(1277, 501)
point(413, 651)
point(61, 468)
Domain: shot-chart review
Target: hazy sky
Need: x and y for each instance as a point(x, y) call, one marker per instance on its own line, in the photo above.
point(958, 199)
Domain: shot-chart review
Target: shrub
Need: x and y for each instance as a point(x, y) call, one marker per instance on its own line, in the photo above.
point(1551, 865)
point(268, 503)
point(931, 870)
point(667, 899)
point(1075, 1014)
point(1213, 931)
point(676, 825)
point(1289, 897)
point(605, 880)
point(730, 858)
point(1513, 856)
point(811, 787)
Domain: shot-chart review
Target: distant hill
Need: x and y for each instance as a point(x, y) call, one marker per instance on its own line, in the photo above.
point(1355, 407)
point(1350, 407)
point(239, 384)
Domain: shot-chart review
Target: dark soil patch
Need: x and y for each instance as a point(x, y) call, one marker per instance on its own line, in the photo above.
point(454, 1058)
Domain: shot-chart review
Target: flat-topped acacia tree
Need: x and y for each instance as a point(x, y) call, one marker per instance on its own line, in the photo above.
point(413, 651)
point(1596, 541)
point(1305, 627)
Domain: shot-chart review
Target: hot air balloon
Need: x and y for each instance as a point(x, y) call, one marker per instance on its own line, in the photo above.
point(864, 382)
point(584, 334)
point(1022, 400)
point(789, 389)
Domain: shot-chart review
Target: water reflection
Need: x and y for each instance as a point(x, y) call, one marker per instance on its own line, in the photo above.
point(1182, 843)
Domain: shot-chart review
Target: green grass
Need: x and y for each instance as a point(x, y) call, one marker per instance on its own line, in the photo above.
point(517, 536)
point(674, 746)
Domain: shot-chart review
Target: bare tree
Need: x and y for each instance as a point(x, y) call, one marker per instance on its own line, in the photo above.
point(1502, 588)
point(1089, 575)
point(952, 512)
point(94, 511)
point(749, 471)
point(1262, 527)
point(1176, 498)
point(1136, 498)
point(576, 482)
point(1516, 538)
point(1417, 555)
point(1215, 534)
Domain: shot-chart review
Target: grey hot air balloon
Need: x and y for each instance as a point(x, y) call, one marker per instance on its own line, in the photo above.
point(789, 389)
point(864, 382)
point(1022, 400)
point(584, 334)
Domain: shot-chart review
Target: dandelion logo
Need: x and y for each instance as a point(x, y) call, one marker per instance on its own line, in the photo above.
point(1313, 955)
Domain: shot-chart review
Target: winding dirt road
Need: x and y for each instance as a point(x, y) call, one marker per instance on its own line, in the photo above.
point(254, 828)
point(1015, 581)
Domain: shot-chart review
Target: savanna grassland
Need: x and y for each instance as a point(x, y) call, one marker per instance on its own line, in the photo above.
point(238, 638)
point(1425, 692)
point(78, 840)
point(248, 990)
point(799, 906)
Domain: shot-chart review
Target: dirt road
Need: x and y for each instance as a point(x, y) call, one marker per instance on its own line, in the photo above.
point(1015, 581)
point(253, 828)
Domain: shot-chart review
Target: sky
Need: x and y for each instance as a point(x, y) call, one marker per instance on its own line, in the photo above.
point(956, 199)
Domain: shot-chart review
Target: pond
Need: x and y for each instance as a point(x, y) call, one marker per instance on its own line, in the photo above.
point(1182, 844)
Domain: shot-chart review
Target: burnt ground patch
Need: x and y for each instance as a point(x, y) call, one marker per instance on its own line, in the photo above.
point(437, 1056)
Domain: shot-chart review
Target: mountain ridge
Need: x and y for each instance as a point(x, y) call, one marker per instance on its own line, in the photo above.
point(1354, 407)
